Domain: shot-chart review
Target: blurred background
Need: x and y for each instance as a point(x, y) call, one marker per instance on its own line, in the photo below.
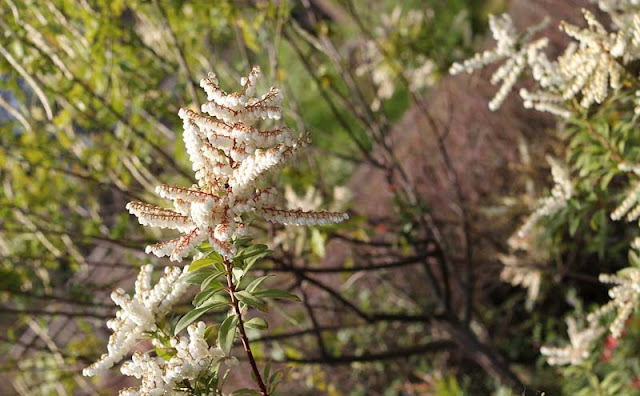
point(404, 299)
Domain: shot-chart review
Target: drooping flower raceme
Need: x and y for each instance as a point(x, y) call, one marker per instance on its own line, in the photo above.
point(140, 313)
point(624, 298)
point(579, 348)
point(560, 195)
point(514, 49)
point(229, 157)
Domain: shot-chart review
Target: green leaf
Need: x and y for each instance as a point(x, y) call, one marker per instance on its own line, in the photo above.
point(574, 222)
point(213, 258)
point(275, 379)
point(276, 293)
point(251, 287)
point(241, 242)
point(205, 283)
point(198, 276)
point(256, 323)
point(218, 298)
point(227, 333)
point(209, 332)
point(194, 314)
point(165, 354)
point(204, 295)
point(247, 257)
point(251, 300)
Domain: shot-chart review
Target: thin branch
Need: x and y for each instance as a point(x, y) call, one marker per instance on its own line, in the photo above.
point(243, 335)
point(29, 79)
point(401, 353)
point(15, 311)
point(15, 113)
point(324, 270)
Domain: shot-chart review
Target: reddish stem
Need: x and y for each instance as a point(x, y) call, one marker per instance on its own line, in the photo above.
point(243, 335)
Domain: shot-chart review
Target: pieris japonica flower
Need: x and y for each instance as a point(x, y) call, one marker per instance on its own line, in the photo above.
point(620, 10)
point(578, 350)
point(630, 205)
point(522, 267)
point(586, 70)
point(229, 158)
point(193, 357)
point(516, 50)
point(593, 67)
point(624, 297)
point(560, 195)
point(140, 313)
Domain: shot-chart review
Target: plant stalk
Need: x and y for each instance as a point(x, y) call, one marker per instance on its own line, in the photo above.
point(228, 264)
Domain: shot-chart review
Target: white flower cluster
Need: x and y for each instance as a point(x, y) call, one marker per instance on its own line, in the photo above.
point(229, 157)
point(561, 192)
point(193, 357)
point(619, 10)
point(578, 350)
point(522, 267)
point(517, 52)
point(630, 205)
point(593, 67)
point(624, 297)
point(140, 313)
point(586, 70)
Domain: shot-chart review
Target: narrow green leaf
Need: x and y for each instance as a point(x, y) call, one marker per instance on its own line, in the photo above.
point(251, 300)
point(256, 323)
point(227, 333)
point(205, 262)
point(198, 276)
point(276, 293)
point(209, 333)
point(247, 257)
point(250, 262)
point(267, 370)
point(163, 353)
point(205, 283)
point(194, 314)
point(241, 242)
point(251, 287)
point(217, 298)
point(204, 295)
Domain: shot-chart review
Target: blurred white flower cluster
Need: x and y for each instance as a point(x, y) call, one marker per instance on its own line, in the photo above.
point(630, 205)
point(421, 73)
point(229, 158)
point(625, 296)
point(599, 61)
point(522, 266)
point(140, 313)
point(590, 65)
point(560, 195)
point(579, 348)
point(517, 52)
